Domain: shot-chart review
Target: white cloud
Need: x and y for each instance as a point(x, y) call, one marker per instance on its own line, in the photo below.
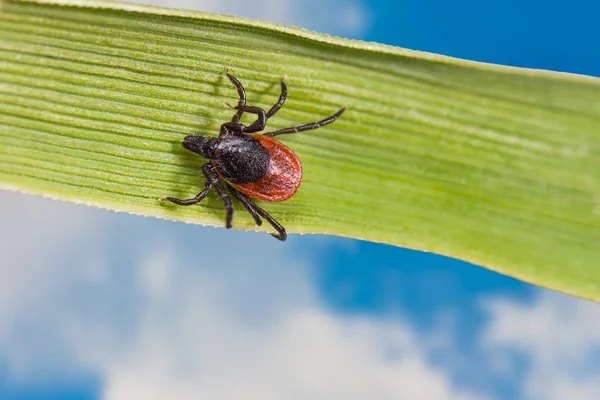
point(37, 238)
point(308, 354)
point(559, 338)
point(337, 17)
point(160, 309)
point(164, 310)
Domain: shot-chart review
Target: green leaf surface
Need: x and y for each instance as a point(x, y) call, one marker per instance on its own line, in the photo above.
point(494, 165)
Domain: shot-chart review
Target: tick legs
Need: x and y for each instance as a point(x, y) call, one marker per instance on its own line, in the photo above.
point(271, 112)
point(281, 233)
point(260, 123)
point(281, 100)
point(246, 202)
point(190, 202)
point(212, 180)
point(241, 93)
point(307, 127)
point(256, 211)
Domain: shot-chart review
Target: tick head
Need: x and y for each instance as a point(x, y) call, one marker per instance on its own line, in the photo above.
point(202, 145)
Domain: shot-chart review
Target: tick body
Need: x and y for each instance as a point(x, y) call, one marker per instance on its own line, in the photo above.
point(258, 166)
point(252, 165)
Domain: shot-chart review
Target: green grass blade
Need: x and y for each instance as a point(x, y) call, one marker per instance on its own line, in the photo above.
point(494, 165)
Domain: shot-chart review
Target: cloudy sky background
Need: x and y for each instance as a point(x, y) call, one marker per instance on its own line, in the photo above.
point(99, 305)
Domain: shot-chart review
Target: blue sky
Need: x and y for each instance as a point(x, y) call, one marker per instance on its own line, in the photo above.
point(141, 310)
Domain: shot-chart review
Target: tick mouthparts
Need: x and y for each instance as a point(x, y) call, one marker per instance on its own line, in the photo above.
point(203, 145)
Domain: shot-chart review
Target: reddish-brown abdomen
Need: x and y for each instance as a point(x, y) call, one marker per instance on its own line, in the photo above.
point(283, 176)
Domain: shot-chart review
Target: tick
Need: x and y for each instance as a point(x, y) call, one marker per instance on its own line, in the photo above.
point(252, 165)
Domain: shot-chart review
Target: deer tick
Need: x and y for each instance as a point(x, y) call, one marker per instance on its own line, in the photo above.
point(252, 165)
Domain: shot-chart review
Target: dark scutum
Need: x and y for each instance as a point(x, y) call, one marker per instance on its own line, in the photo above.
point(241, 159)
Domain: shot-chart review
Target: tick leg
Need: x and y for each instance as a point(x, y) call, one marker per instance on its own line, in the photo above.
point(245, 201)
point(207, 187)
point(213, 179)
point(261, 121)
point(241, 93)
point(193, 201)
point(307, 127)
point(280, 102)
point(277, 105)
point(257, 126)
point(256, 211)
point(232, 127)
point(248, 203)
point(281, 233)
